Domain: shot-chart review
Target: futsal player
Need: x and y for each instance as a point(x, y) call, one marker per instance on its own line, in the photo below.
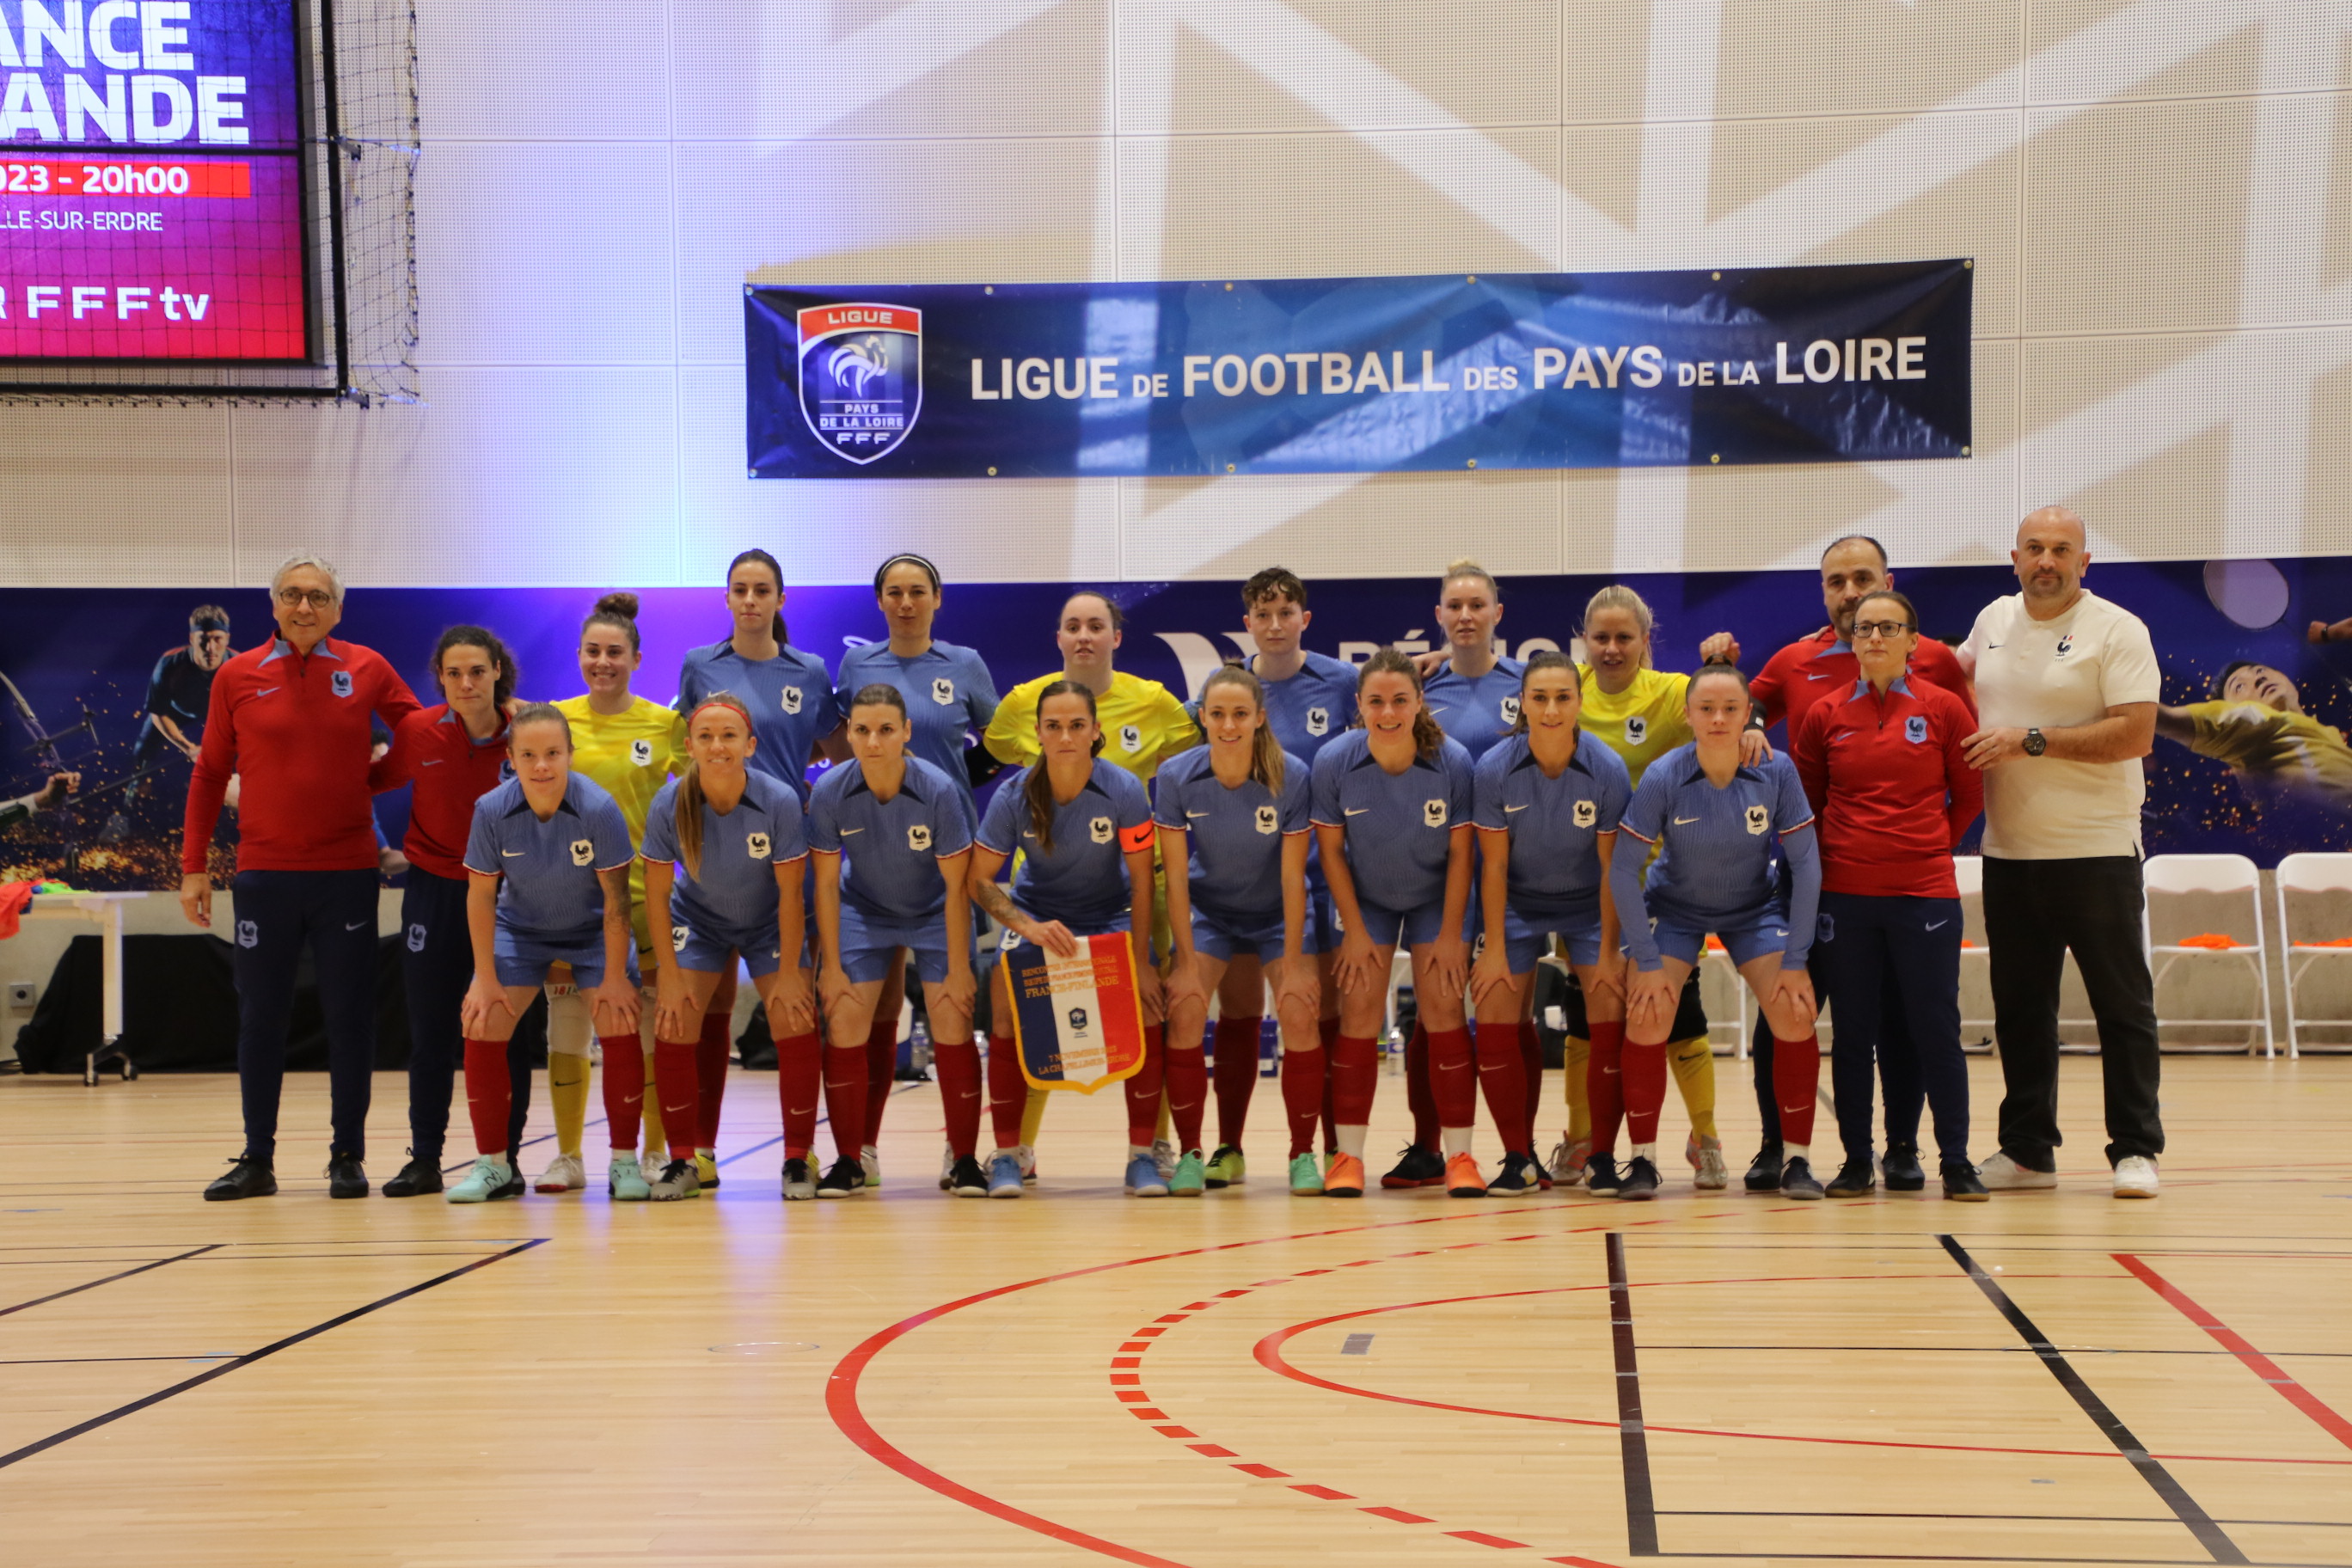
point(949, 697)
point(1392, 813)
point(725, 852)
point(179, 693)
point(892, 839)
point(789, 698)
point(292, 720)
point(1235, 815)
point(452, 754)
point(1083, 827)
point(1714, 819)
point(1884, 766)
point(1548, 802)
point(629, 745)
point(548, 861)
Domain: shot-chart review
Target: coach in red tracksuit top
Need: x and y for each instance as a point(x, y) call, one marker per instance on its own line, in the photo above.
point(292, 721)
point(1889, 780)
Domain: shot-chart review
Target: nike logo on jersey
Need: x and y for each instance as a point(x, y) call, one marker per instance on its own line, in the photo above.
point(511, 853)
point(354, 925)
point(847, 831)
point(1356, 810)
point(1509, 809)
point(1190, 812)
point(1685, 821)
point(432, 762)
point(1938, 925)
point(1812, 677)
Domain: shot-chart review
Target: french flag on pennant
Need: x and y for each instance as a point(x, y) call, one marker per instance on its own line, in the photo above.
point(1077, 1022)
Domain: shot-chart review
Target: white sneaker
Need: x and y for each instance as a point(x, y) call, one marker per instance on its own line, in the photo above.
point(2135, 1177)
point(1026, 1153)
point(870, 1159)
point(1705, 1157)
point(2003, 1174)
point(1568, 1160)
point(947, 1167)
point(564, 1173)
point(1163, 1155)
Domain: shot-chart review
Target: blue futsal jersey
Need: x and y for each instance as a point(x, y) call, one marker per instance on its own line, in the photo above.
point(1478, 713)
point(1307, 710)
point(1399, 826)
point(1715, 866)
point(790, 698)
point(1084, 880)
point(891, 848)
point(735, 894)
point(1555, 823)
point(948, 693)
point(548, 888)
point(1235, 835)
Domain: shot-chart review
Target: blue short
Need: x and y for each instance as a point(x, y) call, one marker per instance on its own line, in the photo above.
point(868, 943)
point(1524, 940)
point(1225, 942)
point(1746, 943)
point(712, 950)
point(524, 962)
point(1412, 928)
point(1118, 924)
point(1322, 933)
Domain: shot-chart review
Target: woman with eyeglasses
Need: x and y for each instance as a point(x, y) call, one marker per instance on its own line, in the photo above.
point(1885, 768)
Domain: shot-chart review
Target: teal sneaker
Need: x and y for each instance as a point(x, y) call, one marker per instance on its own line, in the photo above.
point(492, 1178)
point(1306, 1180)
point(625, 1179)
point(1189, 1176)
point(1226, 1167)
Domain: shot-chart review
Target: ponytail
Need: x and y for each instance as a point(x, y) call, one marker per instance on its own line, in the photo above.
point(687, 817)
point(1037, 789)
point(775, 571)
point(1265, 751)
point(1427, 738)
point(1542, 660)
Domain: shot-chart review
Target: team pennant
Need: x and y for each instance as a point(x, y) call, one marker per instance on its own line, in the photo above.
point(1076, 1021)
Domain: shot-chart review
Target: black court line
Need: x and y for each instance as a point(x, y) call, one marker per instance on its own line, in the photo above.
point(2028, 1518)
point(2001, 1350)
point(2160, 1480)
point(2004, 1557)
point(88, 1360)
point(288, 1342)
point(94, 1284)
point(1632, 1438)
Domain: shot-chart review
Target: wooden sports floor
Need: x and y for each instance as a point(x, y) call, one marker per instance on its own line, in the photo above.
point(1243, 1380)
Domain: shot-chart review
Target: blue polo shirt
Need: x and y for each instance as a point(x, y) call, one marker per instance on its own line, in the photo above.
point(1478, 713)
point(1084, 880)
point(891, 848)
point(1555, 823)
point(1399, 826)
point(1235, 835)
point(548, 889)
point(1715, 865)
point(790, 696)
point(948, 693)
point(735, 896)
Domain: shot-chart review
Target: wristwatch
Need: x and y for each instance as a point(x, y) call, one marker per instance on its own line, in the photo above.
point(2035, 743)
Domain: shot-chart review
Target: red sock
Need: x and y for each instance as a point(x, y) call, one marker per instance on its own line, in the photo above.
point(674, 1079)
point(1304, 1085)
point(1417, 1097)
point(845, 1098)
point(710, 1054)
point(1329, 1029)
point(1008, 1091)
point(800, 1076)
point(956, 1063)
point(1453, 1091)
point(489, 1095)
point(1503, 1079)
point(881, 1071)
point(624, 1090)
point(1645, 1090)
point(1143, 1090)
point(1188, 1095)
point(1604, 1084)
point(1531, 1070)
point(1796, 1078)
point(1355, 1079)
point(1236, 1075)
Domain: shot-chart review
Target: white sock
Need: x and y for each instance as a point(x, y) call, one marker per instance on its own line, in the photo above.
point(1351, 1141)
point(1646, 1152)
point(1456, 1140)
point(1796, 1151)
point(1139, 1150)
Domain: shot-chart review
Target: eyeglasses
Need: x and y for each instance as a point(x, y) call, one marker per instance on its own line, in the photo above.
point(1880, 628)
point(295, 598)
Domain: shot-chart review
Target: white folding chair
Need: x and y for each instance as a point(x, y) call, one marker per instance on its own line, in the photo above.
point(2224, 876)
point(1969, 871)
point(2306, 874)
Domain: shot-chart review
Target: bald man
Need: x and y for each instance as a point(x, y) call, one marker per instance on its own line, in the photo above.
point(2067, 689)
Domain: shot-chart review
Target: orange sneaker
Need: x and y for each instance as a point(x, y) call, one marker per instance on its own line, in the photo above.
point(1462, 1179)
point(1343, 1177)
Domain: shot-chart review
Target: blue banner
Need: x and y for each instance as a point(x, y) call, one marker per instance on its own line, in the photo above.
point(1786, 364)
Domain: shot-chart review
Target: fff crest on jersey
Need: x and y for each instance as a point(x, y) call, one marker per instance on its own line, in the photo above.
point(641, 754)
point(340, 682)
point(861, 377)
point(1266, 819)
point(1915, 728)
point(943, 691)
point(1433, 812)
point(758, 845)
point(1637, 730)
point(417, 939)
point(2065, 646)
point(1587, 814)
point(583, 851)
point(919, 837)
point(1099, 829)
point(791, 698)
point(1759, 819)
point(1510, 707)
point(1319, 720)
point(1130, 737)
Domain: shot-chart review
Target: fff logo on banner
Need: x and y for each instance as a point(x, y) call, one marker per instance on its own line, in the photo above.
point(861, 377)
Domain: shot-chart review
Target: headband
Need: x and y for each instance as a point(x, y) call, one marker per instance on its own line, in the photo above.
point(214, 623)
point(883, 570)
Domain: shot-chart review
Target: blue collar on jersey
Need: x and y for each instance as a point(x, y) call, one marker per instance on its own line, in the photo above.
point(907, 783)
point(450, 717)
point(1694, 769)
point(1575, 759)
point(280, 648)
point(1900, 683)
point(522, 800)
point(1370, 760)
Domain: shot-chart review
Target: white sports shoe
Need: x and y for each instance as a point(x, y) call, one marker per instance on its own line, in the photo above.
point(869, 1159)
point(1026, 1153)
point(1567, 1161)
point(2135, 1177)
point(564, 1173)
point(1163, 1155)
point(1705, 1157)
point(947, 1166)
point(2003, 1174)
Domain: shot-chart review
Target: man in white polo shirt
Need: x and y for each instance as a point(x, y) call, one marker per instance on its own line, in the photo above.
point(2067, 688)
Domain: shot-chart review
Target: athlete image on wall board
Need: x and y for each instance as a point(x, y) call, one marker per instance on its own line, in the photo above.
point(2256, 722)
point(179, 690)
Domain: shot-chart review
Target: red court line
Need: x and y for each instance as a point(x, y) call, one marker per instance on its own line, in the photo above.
point(2229, 1338)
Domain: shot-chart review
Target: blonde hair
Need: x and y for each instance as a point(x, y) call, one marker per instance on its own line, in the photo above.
point(688, 814)
point(1427, 738)
point(1617, 596)
point(1265, 751)
point(1466, 567)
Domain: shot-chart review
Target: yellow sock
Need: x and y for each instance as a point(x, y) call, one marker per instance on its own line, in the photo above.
point(1575, 1057)
point(656, 1146)
point(1032, 1116)
point(1693, 1064)
point(567, 1090)
point(1166, 1131)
